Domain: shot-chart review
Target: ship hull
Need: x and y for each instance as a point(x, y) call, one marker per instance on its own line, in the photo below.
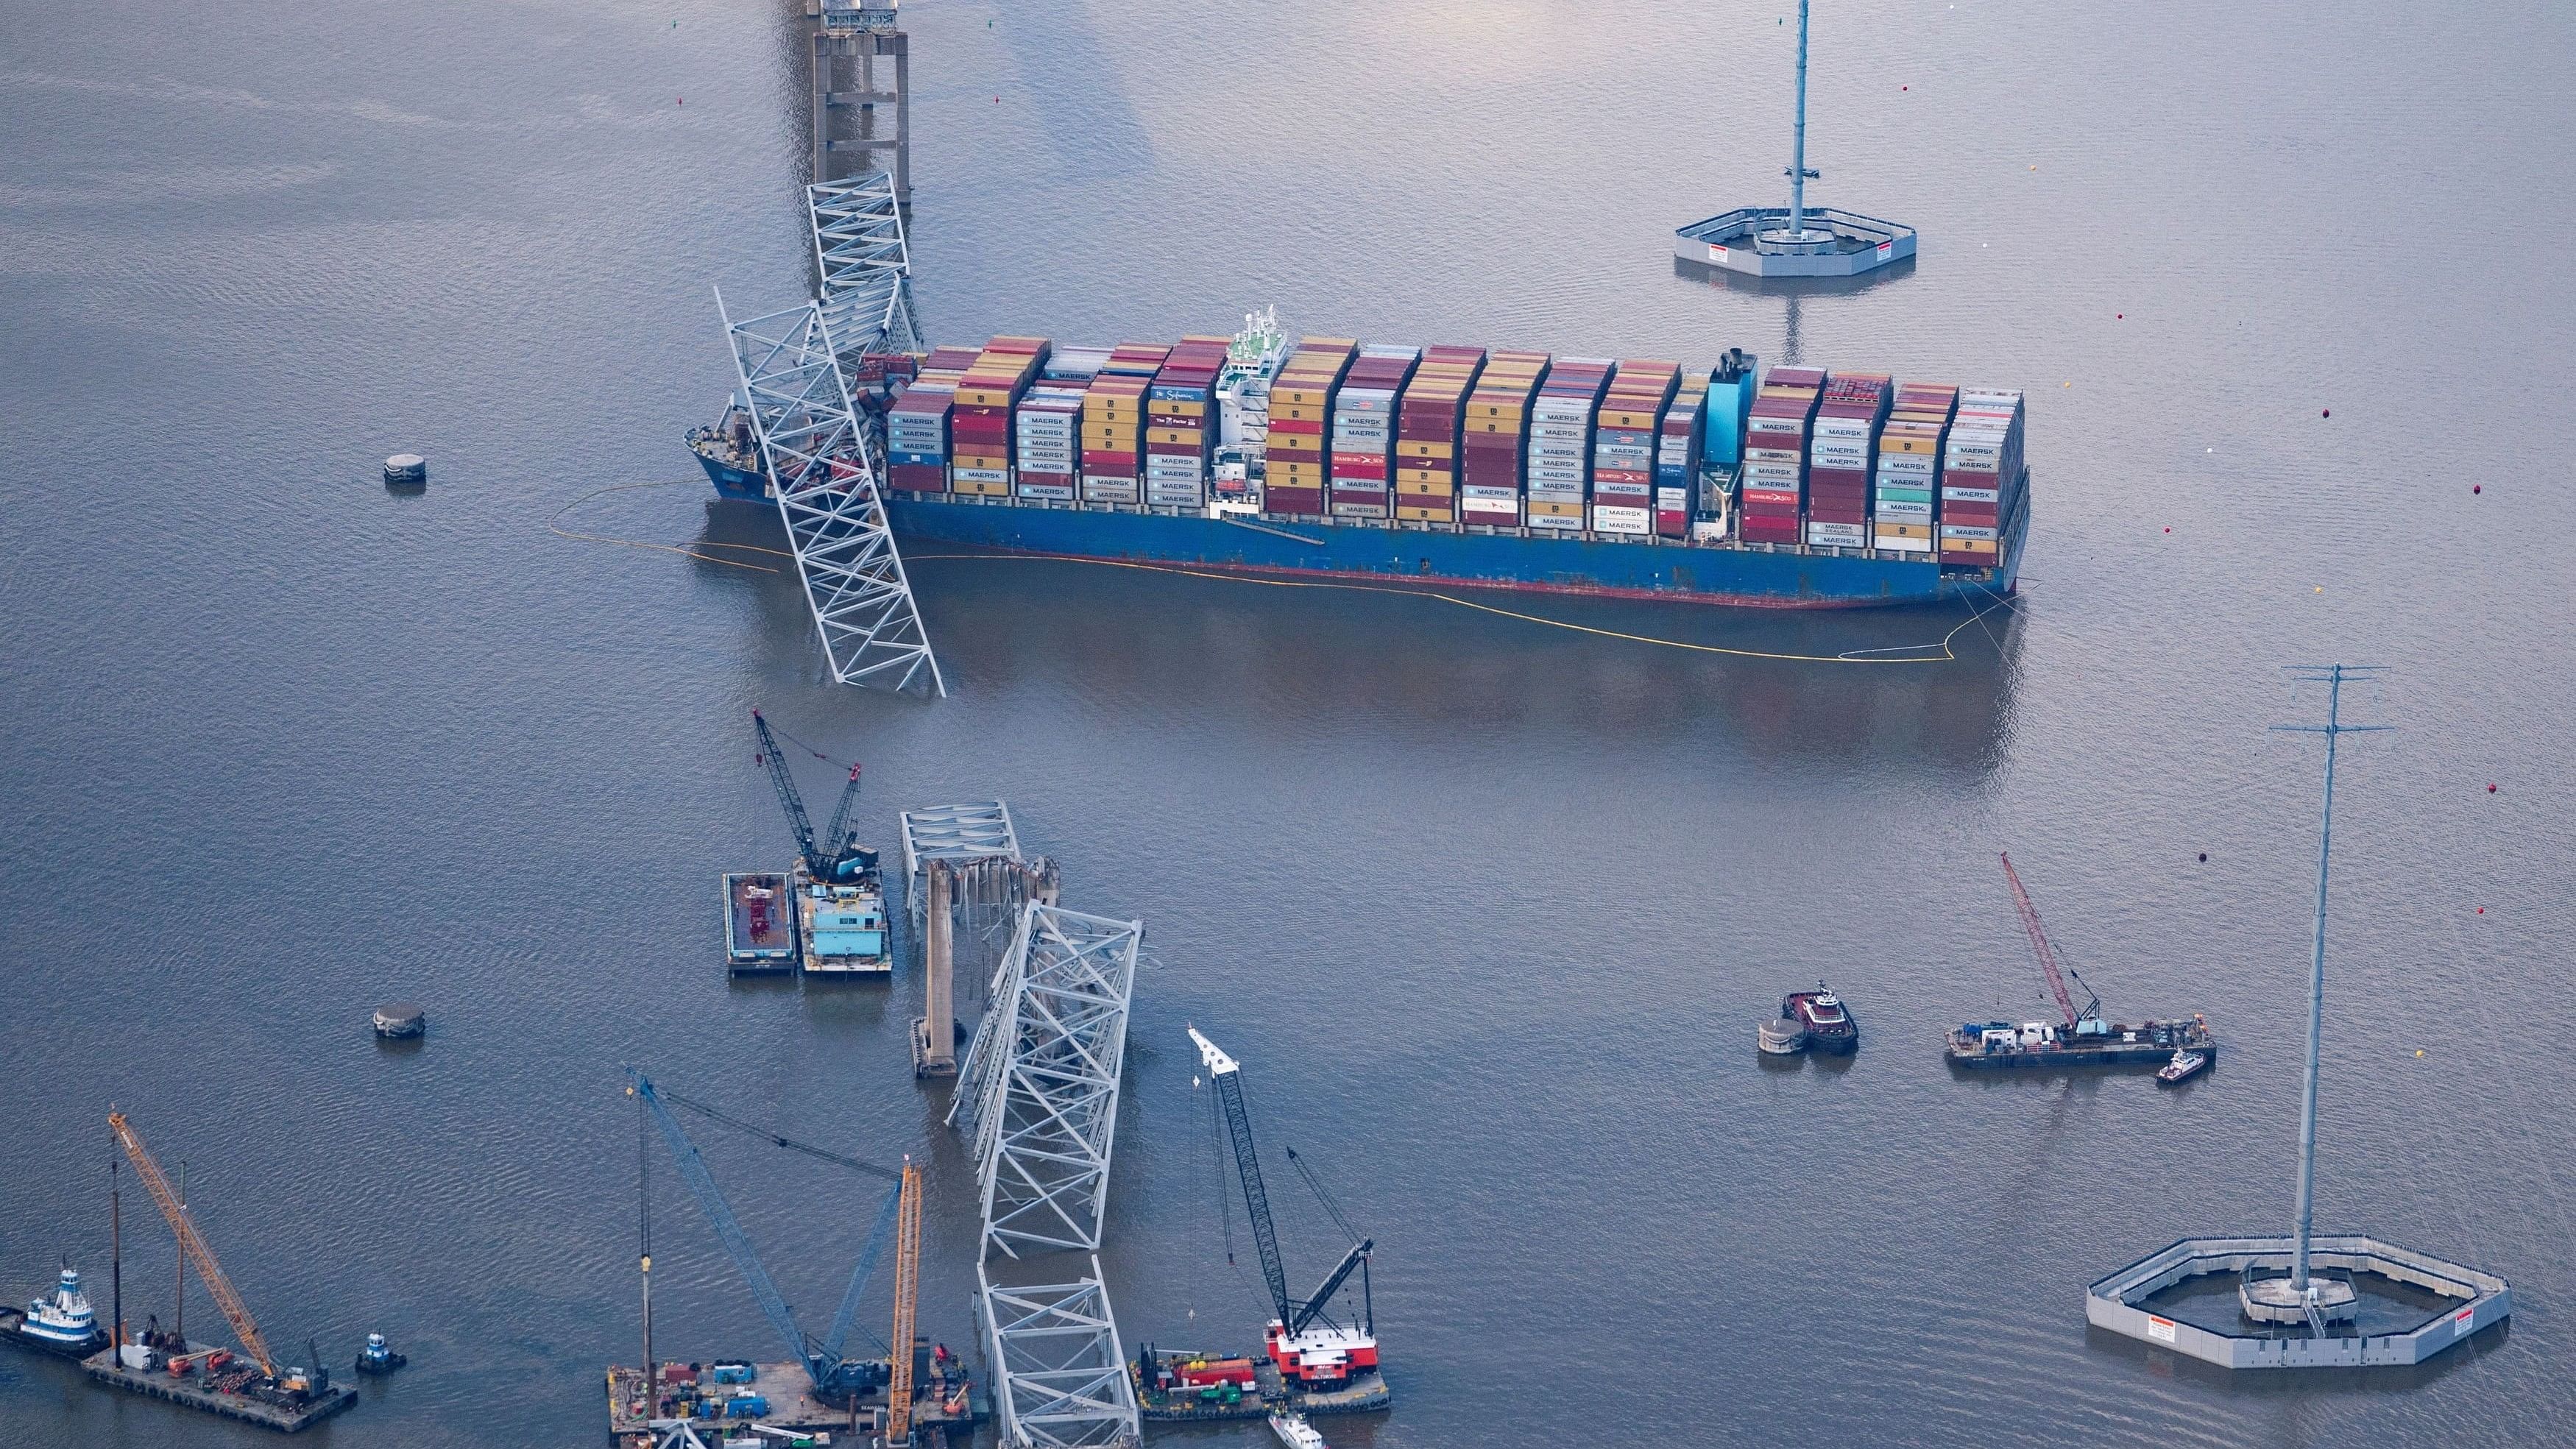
point(1663, 571)
point(738, 484)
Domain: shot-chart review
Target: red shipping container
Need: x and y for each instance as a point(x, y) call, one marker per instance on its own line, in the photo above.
point(1969, 515)
point(1770, 497)
point(1275, 499)
point(918, 477)
point(1098, 460)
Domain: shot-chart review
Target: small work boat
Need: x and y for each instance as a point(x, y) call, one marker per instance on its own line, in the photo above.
point(58, 1323)
point(1822, 1015)
point(1782, 1038)
point(2183, 1067)
point(378, 1357)
point(1295, 1432)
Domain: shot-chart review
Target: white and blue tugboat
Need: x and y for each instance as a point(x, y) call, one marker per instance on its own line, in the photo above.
point(378, 1357)
point(59, 1323)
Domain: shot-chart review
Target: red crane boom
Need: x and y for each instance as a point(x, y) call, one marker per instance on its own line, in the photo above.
point(2039, 940)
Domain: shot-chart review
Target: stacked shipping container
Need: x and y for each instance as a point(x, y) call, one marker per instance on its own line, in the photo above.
point(1841, 450)
point(1047, 429)
point(1301, 409)
point(979, 422)
point(1180, 423)
point(1775, 454)
point(1909, 467)
point(1430, 419)
point(1981, 475)
point(1677, 449)
point(1113, 424)
point(1560, 441)
point(1623, 446)
point(1363, 437)
point(1491, 452)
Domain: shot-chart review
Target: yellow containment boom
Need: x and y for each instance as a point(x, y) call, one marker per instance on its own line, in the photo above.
point(907, 1293)
point(208, 1270)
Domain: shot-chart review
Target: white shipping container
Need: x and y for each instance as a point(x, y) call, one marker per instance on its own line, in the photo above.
point(1563, 525)
point(1902, 508)
point(1838, 535)
point(1905, 545)
point(1973, 495)
point(1962, 530)
point(1057, 492)
point(1623, 520)
point(1186, 495)
point(1490, 493)
point(981, 475)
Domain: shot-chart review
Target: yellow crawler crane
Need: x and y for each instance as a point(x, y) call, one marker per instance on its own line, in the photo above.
point(208, 1270)
point(907, 1293)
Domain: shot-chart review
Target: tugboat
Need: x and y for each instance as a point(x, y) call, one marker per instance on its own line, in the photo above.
point(1829, 1024)
point(378, 1356)
point(59, 1323)
point(2184, 1066)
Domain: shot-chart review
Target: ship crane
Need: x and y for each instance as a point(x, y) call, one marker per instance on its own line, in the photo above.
point(836, 854)
point(245, 1330)
point(833, 1375)
point(2076, 1021)
point(1307, 1346)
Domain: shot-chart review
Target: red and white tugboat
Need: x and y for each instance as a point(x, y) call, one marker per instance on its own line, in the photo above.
point(1829, 1023)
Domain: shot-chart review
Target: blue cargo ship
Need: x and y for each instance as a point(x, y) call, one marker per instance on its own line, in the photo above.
point(1700, 556)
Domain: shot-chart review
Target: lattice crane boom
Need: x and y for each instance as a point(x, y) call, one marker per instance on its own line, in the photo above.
point(208, 1270)
point(907, 1294)
point(1226, 1073)
point(789, 800)
point(2039, 941)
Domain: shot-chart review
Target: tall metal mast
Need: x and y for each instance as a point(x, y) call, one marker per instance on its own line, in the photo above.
point(1798, 172)
point(2332, 676)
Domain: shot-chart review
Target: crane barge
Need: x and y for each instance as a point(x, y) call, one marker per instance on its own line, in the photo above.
point(838, 926)
point(1316, 1359)
point(2080, 1039)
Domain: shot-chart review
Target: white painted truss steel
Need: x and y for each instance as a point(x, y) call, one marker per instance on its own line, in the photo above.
point(979, 1075)
point(1060, 1373)
point(812, 444)
point(866, 271)
point(957, 832)
point(1049, 1113)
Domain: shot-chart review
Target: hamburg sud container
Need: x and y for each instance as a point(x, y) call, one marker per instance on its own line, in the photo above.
point(1430, 418)
point(979, 424)
point(1623, 446)
point(1842, 446)
point(1909, 467)
point(1180, 423)
point(1982, 475)
point(1363, 436)
point(1559, 474)
point(1677, 450)
point(1775, 454)
point(1047, 429)
point(1113, 424)
point(1301, 408)
point(1491, 450)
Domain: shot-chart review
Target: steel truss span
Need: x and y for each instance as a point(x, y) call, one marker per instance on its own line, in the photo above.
point(1061, 1373)
point(1049, 1084)
point(866, 273)
point(811, 442)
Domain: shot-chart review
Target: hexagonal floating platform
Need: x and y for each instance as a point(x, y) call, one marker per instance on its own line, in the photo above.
point(1757, 241)
point(2405, 1306)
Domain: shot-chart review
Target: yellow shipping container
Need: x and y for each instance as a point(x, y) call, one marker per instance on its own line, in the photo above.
point(1904, 530)
point(1419, 479)
point(1297, 411)
point(1508, 412)
point(1545, 508)
point(977, 460)
point(1906, 443)
point(1184, 436)
point(1426, 515)
point(1420, 448)
point(1968, 545)
point(1311, 472)
point(978, 486)
point(1440, 487)
point(1173, 409)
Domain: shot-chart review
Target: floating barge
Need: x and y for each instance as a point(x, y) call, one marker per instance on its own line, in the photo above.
point(779, 1396)
point(842, 925)
point(1188, 1385)
point(285, 1413)
point(2095, 1044)
point(760, 924)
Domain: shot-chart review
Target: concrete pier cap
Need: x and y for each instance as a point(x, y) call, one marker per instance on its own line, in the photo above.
point(2470, 1299)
